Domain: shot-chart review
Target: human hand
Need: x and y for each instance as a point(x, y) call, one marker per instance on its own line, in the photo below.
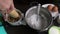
point(6, 6)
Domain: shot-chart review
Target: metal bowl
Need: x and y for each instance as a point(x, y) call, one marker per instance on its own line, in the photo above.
point(40, 26)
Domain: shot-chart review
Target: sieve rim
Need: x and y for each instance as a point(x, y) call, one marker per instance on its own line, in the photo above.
point(17, 22)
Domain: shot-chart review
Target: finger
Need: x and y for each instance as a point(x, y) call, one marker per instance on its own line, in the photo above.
point(11, 7)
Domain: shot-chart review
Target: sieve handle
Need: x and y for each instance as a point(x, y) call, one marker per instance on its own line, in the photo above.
point(22, 22)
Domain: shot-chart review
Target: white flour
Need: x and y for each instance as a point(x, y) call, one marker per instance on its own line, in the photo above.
point(34, 20)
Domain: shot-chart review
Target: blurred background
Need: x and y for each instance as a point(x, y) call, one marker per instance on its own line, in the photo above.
point(23, 5)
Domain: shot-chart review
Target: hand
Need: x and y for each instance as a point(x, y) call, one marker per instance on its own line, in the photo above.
point(6, 6)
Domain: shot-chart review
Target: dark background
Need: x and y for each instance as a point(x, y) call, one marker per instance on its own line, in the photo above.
point(23, 5)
